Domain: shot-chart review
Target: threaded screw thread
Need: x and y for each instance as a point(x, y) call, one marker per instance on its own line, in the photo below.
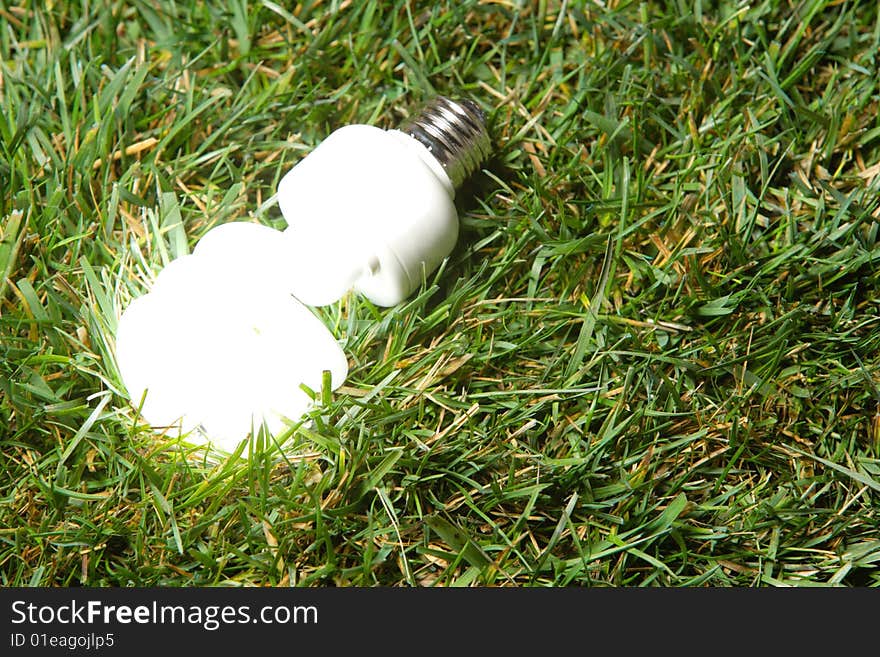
point(455, 133)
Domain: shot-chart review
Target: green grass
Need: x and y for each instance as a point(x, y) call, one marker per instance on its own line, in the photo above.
point(652, 360)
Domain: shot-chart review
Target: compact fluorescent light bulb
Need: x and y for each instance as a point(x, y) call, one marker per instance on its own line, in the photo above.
point(222, 343)
point(373, 210)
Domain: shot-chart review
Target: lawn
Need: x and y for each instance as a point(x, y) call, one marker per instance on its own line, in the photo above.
point(652, 359)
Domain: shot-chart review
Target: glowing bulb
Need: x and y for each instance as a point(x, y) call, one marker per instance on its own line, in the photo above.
point(222, 342)
point(219, 347)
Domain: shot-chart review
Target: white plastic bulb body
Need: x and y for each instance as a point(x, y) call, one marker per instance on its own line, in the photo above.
point(370, 209)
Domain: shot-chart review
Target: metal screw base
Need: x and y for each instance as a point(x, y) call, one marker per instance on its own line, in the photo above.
point(455, 133)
